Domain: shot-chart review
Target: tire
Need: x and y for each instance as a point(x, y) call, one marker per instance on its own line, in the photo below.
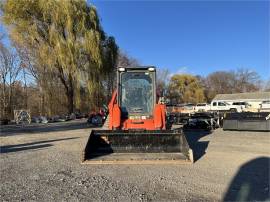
point(96, 120)
point(233, 110)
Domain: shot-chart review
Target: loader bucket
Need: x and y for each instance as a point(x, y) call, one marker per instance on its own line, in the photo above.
point(137, 147)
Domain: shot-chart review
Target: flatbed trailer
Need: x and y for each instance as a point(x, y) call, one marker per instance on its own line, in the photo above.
point(196, 120)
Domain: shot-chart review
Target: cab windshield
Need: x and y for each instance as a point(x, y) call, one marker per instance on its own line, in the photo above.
point(136, 94)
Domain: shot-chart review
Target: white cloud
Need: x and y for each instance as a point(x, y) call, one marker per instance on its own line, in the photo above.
point(180, 70)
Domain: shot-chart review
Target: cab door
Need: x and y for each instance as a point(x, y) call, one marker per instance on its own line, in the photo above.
point(214, 106)
point(222, 106)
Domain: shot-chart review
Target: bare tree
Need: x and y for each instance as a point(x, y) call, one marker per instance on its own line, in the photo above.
point(219, 82)
point(125, 60)
point(10, 68)
point(162, 80)
point(3, 74)
point(247, 81)
point(222, 82)
point(266, 86)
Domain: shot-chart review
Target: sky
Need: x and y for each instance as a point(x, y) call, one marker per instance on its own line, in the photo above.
point(197, 37)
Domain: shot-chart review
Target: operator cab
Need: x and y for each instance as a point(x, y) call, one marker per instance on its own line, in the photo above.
point(137, 93)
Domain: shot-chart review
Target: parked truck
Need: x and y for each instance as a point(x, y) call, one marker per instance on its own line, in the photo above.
point(265, 106)
point(222, 106)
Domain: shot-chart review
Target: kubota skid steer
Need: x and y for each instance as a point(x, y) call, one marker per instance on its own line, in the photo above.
point(136, 126)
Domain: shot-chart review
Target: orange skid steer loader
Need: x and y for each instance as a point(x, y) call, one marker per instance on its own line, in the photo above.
point(136, 122)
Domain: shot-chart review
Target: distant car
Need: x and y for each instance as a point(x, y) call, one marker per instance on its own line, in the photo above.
point(39, 119)
point(50, 119)
point(202, 107)
point(98, 118)
point(72, 116)
point(265, 106)
point(35, 120)
point(79, 115)
point(62, 118)
point(67, 117)
point(43, 119)
point(95, 120)
point(54, 119)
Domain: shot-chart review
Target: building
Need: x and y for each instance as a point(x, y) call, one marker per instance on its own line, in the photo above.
point(254, 99)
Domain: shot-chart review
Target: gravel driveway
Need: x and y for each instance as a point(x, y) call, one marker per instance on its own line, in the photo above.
point(42, 163)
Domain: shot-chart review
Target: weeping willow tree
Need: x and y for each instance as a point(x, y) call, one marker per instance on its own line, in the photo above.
point(185, 88)
point(65, 37)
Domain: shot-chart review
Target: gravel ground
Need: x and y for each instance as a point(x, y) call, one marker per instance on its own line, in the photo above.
point(42, 163)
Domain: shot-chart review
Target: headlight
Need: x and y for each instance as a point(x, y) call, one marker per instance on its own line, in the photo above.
point(121, 69)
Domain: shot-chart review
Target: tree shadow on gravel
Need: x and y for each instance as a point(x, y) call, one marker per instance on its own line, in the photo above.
point(30, 146)
point(42, 128)
point(198, 147)
point(251, 183)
